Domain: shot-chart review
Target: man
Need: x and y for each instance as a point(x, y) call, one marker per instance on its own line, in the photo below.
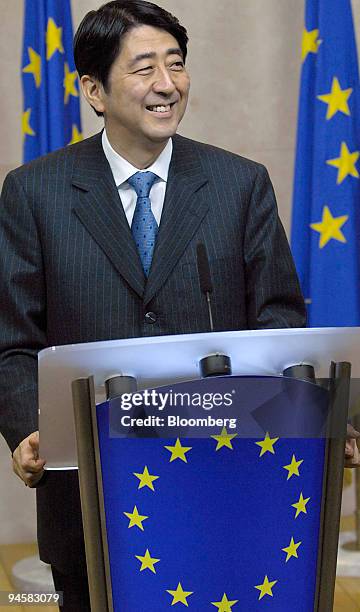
point(76, 266)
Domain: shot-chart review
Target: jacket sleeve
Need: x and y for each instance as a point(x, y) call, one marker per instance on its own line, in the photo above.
point(273, 294)
point(22, 313)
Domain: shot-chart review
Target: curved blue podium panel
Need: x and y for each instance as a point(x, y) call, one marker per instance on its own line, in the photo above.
point(226, 521)
point(221, 519)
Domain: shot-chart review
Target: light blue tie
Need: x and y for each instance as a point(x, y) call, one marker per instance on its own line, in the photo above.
point(144, 227)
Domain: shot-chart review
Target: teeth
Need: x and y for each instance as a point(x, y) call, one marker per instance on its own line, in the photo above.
point(160, 109)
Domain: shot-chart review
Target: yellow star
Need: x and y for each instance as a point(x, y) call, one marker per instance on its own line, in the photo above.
point(34, 67)
point(224, 605)
point(146, 479)
point(135, 519)
point(69, 83)
point(291, 550)
point(224, 439)
point(310, 43)
point(329, 228)
point(147, 562)
point(266, 587)
point(76, 135)
point(178, 451)
point(345, 163)
point(336, 99)
point(293, 467)
point(267, 445)
point(180, 596)
point(25, 123)
point(53, 39)
point(300, 505)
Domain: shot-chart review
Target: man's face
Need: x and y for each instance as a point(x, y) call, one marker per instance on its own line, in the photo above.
point(148, 88)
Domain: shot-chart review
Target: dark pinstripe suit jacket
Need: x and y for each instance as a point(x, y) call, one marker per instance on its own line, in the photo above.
point(70, 273)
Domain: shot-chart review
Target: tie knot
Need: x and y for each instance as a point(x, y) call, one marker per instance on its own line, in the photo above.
point(142, 183)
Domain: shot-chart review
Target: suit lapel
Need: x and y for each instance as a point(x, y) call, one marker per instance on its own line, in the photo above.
point(184, 209)
point(99, 209)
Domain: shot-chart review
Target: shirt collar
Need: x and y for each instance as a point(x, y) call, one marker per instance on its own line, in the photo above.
point(122, 169)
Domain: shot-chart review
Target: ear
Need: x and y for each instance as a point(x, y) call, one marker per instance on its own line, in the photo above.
point(93, 92)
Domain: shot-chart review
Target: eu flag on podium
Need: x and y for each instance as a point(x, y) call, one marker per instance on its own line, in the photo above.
point(51, 113)
point(326, 207)
point(224, 524)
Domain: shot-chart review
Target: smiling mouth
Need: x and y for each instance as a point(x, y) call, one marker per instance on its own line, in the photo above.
point(160, 108)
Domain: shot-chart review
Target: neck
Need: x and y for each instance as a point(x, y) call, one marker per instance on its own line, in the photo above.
point(140, 155)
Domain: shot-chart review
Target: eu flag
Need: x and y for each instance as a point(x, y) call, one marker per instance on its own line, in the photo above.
point(225, 522)
point(326, 206)
point(51, 117)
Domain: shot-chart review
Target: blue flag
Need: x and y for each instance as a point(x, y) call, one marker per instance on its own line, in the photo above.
point(223, 522)
point(51, 117)
point(326, 207)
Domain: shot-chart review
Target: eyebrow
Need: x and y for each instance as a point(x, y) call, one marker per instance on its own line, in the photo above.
point(152, 55)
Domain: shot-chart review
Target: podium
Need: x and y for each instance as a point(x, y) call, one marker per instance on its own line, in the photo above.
point(268, 524)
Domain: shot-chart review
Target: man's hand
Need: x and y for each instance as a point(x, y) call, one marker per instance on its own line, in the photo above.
point(352, 454)
point(26, 461)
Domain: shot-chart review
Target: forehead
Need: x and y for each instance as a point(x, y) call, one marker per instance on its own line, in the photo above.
point(146, 39)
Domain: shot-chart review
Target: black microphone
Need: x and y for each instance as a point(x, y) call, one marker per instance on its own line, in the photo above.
point(206, 285)
point(217, 364)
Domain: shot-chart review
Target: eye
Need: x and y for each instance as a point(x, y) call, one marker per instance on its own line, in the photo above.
point(177, 65)
point(145, 70)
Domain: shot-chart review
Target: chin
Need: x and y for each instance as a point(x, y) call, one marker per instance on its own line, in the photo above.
point(159, 136)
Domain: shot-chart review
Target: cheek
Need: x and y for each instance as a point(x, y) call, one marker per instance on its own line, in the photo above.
point(139, 92)
point(184, 85)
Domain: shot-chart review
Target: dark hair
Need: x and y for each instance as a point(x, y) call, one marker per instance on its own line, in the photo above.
point(97, 41)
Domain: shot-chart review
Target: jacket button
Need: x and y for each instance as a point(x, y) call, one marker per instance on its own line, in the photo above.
point(150, 318)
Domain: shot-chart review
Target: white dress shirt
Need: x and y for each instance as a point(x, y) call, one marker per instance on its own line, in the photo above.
point(122, 170)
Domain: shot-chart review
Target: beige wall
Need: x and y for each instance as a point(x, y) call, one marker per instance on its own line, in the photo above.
point(244, 61)
point(244, 64)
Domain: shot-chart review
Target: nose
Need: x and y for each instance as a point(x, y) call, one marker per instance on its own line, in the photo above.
point(164, 82)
